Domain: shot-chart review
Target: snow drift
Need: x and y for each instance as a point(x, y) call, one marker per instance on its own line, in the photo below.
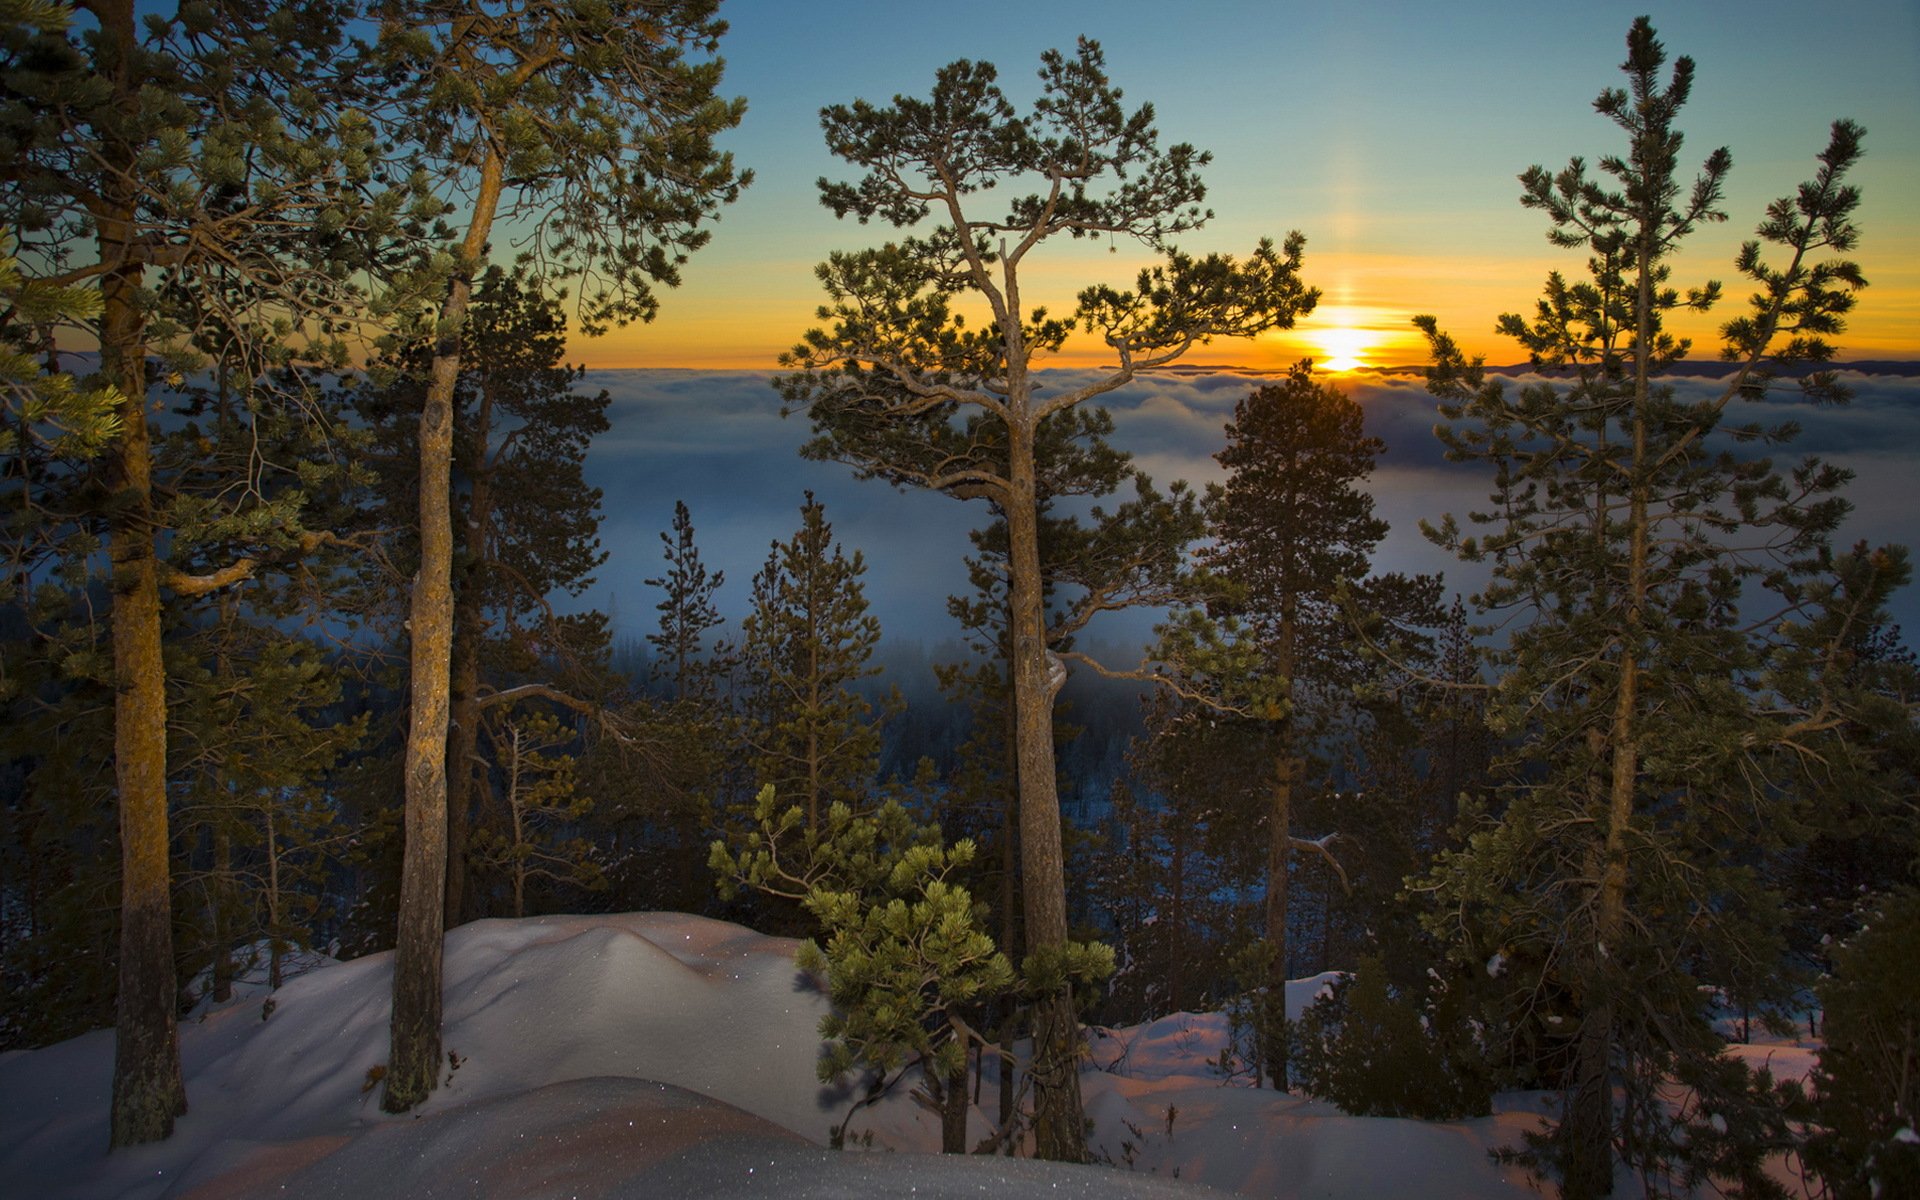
point(659, 1054)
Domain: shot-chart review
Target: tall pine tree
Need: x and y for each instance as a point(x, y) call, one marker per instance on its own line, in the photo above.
point(1668, 577)
point(1293, 538)
point(900, 385)
point(189, 162)
point(594, 127)
point(686, 664)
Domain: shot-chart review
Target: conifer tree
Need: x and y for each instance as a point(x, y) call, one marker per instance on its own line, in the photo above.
point(687, 611)
point(172, 158)
point(903, 953)
point(594, 126)
point(1170, 868)
point(542, 803)
point(1652, 691)
point(528, 523)
point(1293, 536)
point(253, 733)
point(887, 382)
point(658, 826)
point(805, 645)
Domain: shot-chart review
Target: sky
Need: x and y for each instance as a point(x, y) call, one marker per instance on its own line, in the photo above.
point(1389, 134)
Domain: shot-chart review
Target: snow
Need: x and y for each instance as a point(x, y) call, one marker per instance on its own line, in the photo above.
point(658, 1054)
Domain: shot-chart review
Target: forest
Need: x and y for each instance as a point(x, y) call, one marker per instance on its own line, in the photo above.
point(297, 527)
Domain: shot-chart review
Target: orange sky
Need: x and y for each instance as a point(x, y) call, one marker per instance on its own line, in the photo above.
point(737, 316)
point(1393, 146)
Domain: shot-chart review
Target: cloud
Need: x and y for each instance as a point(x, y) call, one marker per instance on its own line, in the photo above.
point(716, 440)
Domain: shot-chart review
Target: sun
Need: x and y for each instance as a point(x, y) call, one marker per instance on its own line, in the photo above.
point(1344, 349)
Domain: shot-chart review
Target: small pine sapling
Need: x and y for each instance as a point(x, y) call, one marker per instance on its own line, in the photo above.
point(904, 952)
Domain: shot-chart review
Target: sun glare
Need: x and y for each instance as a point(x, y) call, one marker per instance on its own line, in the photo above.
point(1344, 349)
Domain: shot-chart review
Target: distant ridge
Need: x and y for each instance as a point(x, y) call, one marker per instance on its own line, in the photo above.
point(1685, 369)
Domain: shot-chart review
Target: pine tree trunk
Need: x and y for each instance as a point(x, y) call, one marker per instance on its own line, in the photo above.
point(1273, 1031)
point(147, 1089)
point(1009, 916)
point(463, 743)
point(465, 783)
point(1059, 1120)
point(1273, 1037)
point(516, 811)
point(1177, 933)
point(413, 1065)
point(414, 1062)
point(953, 1113)
point(276, 944)
point(1589, 1138)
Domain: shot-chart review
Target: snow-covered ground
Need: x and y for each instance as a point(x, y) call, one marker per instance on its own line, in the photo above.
point(665, 1055)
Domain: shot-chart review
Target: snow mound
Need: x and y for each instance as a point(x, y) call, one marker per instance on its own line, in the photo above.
point(656, 1055)
point(609, 1137)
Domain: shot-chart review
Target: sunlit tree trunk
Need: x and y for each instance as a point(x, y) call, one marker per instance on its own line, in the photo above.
point(147, 1089)
point(1058, 1114)
point(414, 1061)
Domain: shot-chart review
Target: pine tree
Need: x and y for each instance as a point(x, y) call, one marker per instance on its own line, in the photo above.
point(171, 160)
point(528, 523)
point(253, 733)
point(886, 383)
point(904, 955)
point(1655, 734)
point(805, 645)
point(541, 802)
point(1867, 1081)
point(688, 666)
point(1173, 871)
point(1293, 536)
point(595, 127)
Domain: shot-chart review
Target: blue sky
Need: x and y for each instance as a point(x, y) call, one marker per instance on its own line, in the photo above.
point(1388, 133)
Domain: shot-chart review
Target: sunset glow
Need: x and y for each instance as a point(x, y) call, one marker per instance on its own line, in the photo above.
point(1344, 349)
point(1406, 209)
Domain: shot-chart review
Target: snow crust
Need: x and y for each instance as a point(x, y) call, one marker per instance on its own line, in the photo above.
point(659, 1054)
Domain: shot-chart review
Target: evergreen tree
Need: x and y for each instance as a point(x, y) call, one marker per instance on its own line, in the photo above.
point(658, 820)
point(594, 128)
point(886, 383)
point(1656, 706)
point(1866, 1085)
point(1293, 536)
point(253, 733)
point(1170, 875)
point(541, 802)
point(689, 668)
point(904, 955)
point(190, 163)
point(805, 645)
point(528, 525)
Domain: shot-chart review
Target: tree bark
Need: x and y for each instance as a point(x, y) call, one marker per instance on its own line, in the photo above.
point(1009, 912)
point(1177, 930)
point(953, 1113)
point(463, 743)
point(147, 1089)
point(1273, 1036)
point(413, 1064)
point(1273, 1031)
point(1589, 1138)
point(1058, 1115)
point(220, 905)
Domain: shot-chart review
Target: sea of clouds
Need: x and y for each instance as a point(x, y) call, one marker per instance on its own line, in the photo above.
point(716, 440)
